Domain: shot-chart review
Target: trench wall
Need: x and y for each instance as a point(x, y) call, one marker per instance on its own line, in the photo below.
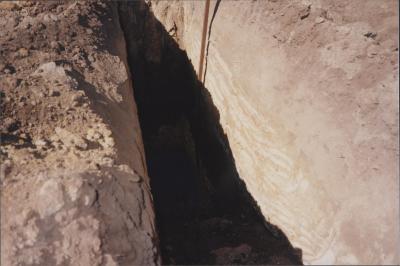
point(74, 183)
point(308, 96)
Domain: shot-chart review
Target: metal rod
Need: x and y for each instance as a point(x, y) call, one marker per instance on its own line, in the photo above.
point(203, 40)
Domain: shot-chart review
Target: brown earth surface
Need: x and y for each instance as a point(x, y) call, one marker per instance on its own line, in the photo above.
point(296, 124)
point(74, 184)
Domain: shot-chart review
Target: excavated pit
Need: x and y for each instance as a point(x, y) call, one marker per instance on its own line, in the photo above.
point(204, 213)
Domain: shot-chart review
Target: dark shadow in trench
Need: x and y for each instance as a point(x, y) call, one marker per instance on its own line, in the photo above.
point(204, 213)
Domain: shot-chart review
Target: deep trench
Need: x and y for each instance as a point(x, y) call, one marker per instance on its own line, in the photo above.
point(204, 214)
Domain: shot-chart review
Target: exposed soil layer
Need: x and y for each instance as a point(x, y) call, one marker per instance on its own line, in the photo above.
point(204, 213)
point(308, 96)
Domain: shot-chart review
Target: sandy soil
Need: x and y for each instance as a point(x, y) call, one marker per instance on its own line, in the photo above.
point(308, 97)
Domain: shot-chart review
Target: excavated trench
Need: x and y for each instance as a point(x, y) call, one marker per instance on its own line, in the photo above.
point(204, 213)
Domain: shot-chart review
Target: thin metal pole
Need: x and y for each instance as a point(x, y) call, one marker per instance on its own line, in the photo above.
point(203, 40)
